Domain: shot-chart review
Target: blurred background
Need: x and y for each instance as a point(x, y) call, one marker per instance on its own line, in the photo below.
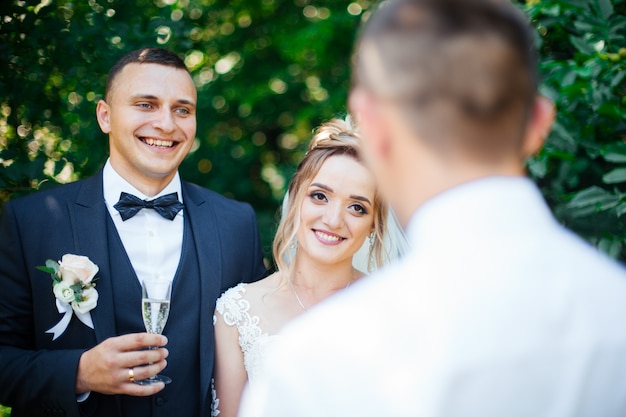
point(268, 72)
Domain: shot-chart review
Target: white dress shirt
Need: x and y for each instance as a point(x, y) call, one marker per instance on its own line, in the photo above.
point(496, 311)
point(153, 244)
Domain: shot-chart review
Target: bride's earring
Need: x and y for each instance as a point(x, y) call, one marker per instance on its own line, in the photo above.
point(294, 244)
point(371, 264)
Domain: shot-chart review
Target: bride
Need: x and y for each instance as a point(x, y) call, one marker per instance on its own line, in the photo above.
point(331, 211)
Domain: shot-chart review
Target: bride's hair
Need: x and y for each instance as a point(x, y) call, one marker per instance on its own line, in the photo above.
point(335, 137)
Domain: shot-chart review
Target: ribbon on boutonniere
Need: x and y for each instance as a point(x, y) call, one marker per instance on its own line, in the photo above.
point(74, 288)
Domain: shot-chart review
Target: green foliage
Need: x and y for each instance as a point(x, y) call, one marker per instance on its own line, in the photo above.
point(52, 268)
point(267, 73)
point(582, 168)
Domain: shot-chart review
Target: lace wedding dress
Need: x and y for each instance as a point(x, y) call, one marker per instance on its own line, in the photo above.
point(254, 342)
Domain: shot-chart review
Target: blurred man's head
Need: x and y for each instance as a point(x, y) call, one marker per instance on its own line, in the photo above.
point(458, 76)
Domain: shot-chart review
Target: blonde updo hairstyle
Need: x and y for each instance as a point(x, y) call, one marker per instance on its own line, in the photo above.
point(335, 137)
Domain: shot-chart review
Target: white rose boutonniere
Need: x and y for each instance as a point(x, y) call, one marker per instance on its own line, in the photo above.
point(74, 288)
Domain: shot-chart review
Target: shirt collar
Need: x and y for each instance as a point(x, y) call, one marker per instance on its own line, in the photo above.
point(497, 201)
point(114, 185)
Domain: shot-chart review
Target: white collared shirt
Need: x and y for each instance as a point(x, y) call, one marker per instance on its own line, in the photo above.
point(495, 311)
point(153, 243)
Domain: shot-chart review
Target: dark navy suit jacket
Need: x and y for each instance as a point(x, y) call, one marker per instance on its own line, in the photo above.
point(37, 374)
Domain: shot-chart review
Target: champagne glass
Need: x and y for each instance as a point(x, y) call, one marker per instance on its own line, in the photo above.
point(155, 308)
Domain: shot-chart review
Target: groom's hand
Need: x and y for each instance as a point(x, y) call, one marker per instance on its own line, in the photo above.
point(106, 367)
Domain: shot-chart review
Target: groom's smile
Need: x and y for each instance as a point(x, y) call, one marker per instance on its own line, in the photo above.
point(150, 116)
point(157, 142)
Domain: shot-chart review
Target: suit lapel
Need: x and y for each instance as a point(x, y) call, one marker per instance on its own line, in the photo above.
point(89, 214)
point(203, 224)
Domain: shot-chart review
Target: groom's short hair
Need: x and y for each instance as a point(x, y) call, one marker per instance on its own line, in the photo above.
point(158, 56)
point(463, 72)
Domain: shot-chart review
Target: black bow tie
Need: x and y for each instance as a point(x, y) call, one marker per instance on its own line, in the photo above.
point(167, 206)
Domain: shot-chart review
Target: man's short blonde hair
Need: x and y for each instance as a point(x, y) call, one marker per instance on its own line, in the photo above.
point(463, 72)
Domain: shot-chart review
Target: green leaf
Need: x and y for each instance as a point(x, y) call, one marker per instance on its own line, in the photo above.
point(606, 8)
point(554, 10)
point(593, 196)
point(538, 166)
point(569, 78)
point(583, 4)
point(618, 175)
point(611, 109)
point(617, 29)
point(54, 265)
point(563, 140)
point(582, 45)
point(620, 209)
point(583, 26)
point(612, 247)
point(46, 269)
point(614, 152)
point(615, 157)
point(617, 78)
point(78, 291)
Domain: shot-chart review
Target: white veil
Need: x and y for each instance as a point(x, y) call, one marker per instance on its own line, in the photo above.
point(394, 245)
point(394, 242)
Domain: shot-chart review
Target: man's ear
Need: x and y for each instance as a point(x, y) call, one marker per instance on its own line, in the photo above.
point(370, 120)
point(103, 114)
point(539, 125)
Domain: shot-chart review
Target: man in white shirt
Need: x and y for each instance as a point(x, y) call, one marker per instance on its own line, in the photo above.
point(136, 219)
point(496, 310)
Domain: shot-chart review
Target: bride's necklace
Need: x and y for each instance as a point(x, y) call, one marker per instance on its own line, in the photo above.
point(295, 293)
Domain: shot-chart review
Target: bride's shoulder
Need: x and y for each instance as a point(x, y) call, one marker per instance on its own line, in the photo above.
point(270, 281)
point(251, 291)
point(243, 303)
point(263, 286)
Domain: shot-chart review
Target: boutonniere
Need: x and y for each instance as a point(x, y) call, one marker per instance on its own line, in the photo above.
point(74, 288)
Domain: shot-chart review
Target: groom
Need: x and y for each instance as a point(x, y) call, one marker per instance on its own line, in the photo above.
point(496, 310)
point(200, 241)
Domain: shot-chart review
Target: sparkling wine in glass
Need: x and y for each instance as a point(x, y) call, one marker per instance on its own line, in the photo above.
point(155, 308)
